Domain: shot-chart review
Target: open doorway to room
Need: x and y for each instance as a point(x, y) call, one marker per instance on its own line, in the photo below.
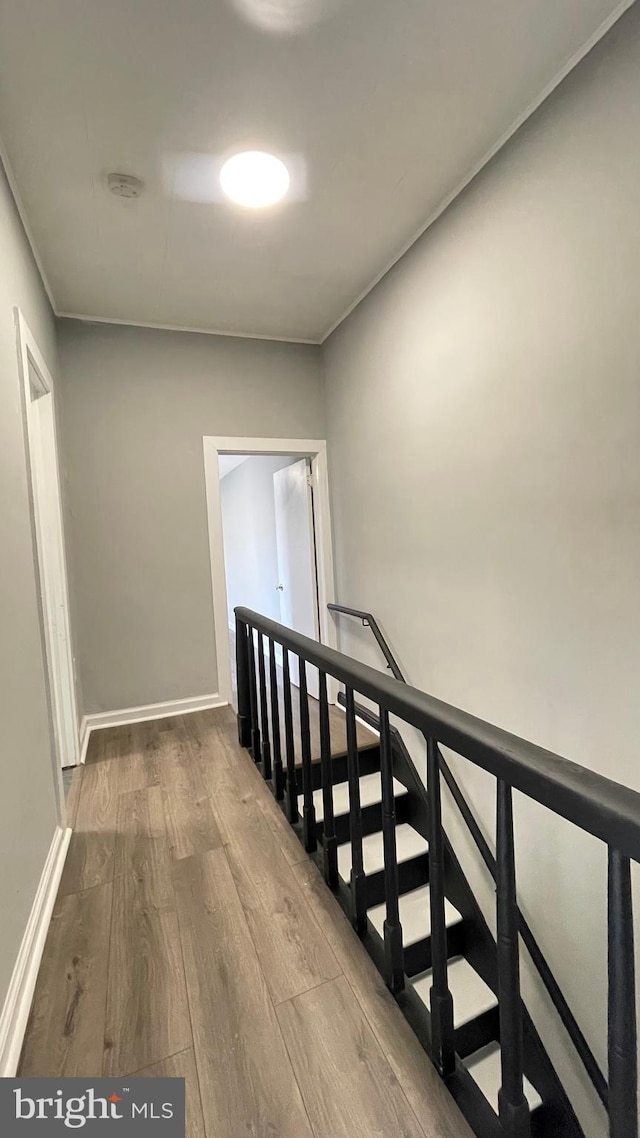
point(269, 540)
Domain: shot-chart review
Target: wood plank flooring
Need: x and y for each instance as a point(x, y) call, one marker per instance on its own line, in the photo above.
point(337, 727)
point(193, 937)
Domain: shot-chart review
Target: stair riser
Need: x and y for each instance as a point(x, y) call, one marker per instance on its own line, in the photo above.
point(478, 1032)
point(411, 874)
point(548, 1122)
point(371, 820)
point(369, 762)
point(417, 957)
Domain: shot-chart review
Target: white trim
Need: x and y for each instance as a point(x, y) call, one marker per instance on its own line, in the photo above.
point(186, 328)
point(561, 75)
point(149, 711)
point(84, 733)
point(22, 214)
point(15, 1012)
point(50, 567)
point(316, 450)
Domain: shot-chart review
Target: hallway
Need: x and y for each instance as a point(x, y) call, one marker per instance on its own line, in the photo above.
point(193, 937)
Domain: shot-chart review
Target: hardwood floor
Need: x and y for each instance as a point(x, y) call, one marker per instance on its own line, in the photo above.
point(193, 937)
point(337, 727)
point(346, 1081)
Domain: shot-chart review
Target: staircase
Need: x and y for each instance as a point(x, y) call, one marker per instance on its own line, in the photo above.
point(375, 831)
point(471, 950)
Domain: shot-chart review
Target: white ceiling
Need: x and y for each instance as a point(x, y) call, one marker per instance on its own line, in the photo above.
point(382, 107)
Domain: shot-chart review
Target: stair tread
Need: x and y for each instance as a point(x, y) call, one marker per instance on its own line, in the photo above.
point(415, 915)
point(370, 794)
point(485, 1069)
point(471, 996)
point(409, 844)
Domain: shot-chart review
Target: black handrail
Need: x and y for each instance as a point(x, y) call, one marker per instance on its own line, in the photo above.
point(601, 807)
point(596, 804)
point(369, 621)
point(539, 961)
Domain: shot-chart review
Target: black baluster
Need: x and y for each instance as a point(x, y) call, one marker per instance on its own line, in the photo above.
point(515, 1115)
point(242, 682)
point(308, 808)
point(278, 774)
point(622, 1047)
point(264, 711)
point(442, 1035)
point(329, 838)
point(393, 950)
point(292, 790)
point(357, 880)
point(255, 725)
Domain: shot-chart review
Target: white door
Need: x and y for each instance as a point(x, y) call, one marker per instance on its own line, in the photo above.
point(50, 552)
point(295, 540)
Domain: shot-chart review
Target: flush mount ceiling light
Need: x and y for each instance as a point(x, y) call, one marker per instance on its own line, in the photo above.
point(254, 179)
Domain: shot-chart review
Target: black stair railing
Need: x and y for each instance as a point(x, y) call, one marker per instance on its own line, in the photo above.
point(278, 773)
point(357, 881)
point(600, 807)
point(264, 715)
point(573, 1029)
point(369, 621)
point(393, 945)
point(329, 837)
point(441, 998)
point(253, 701)
point(308, 808)
point(513, 1106)
point(291, 796)
point(623, 1088)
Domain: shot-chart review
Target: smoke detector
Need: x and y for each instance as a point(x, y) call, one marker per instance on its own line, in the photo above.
point(125, 185)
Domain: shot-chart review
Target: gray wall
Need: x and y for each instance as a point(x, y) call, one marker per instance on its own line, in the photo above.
point(136, 404)
point(483, 425)
point(249, 523)
point(27, 803)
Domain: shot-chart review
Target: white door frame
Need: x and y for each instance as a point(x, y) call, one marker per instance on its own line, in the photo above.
point(316, 450)
point(43, 465)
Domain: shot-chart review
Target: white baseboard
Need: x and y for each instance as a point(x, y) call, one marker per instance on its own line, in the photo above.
point(15, 1013)
point(149, 711)
point(83, 741)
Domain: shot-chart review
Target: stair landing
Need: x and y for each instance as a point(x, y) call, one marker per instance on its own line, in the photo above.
point(365, 737)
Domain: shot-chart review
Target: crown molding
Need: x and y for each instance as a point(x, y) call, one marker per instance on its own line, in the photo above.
point(22, 214)
point(561, 75)
point(89, 319)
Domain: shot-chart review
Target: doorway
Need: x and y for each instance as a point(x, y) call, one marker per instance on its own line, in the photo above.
point(49, 548)
point(270, 540)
